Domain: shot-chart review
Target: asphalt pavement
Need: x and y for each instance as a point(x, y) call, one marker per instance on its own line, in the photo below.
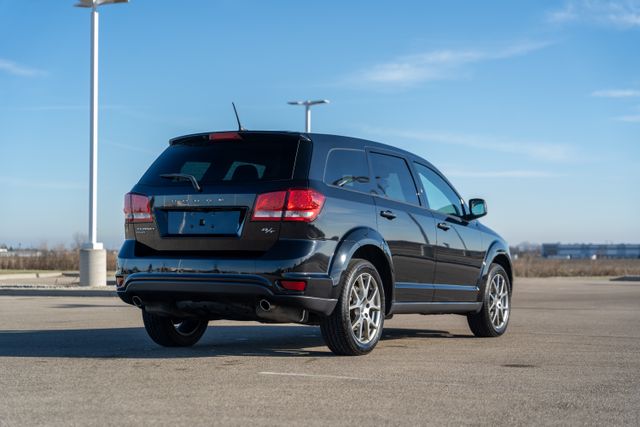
point(571, 356)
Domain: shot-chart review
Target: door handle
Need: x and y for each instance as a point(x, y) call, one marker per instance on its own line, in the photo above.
point(443, 226)
point(387, 214)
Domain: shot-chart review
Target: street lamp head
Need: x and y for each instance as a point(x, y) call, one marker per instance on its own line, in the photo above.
point(318, 101)
point(307, 103)
point(96, 3)
point(307, 106)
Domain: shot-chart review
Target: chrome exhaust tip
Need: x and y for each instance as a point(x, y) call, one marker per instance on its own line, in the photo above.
point(279, 314)
point(137, 301)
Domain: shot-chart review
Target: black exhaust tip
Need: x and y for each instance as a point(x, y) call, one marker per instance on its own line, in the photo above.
point(265, 305)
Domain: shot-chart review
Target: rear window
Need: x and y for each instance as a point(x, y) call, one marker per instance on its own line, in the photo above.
point(225, 161)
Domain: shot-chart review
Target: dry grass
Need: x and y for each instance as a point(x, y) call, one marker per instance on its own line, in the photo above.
point(525, 265)
point(55, 259)
point(530, 266)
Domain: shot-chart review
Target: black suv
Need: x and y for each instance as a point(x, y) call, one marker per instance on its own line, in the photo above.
point(309, 228)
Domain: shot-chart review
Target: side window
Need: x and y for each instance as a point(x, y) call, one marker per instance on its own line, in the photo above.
point(347, 169)
point(393, 178)
point(440, 195)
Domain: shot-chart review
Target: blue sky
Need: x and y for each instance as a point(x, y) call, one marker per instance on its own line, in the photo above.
point(533, 105)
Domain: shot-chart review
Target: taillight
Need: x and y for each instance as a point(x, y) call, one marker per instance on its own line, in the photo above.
point(269, 206)
point(137, 208)
point(302, 205)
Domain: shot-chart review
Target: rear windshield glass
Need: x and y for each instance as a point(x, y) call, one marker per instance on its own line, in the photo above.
point(224, 161)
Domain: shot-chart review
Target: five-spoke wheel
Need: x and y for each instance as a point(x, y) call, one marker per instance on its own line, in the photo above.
point(499, 301)
point(364, 308)
point(493, 317)
point(355, 326)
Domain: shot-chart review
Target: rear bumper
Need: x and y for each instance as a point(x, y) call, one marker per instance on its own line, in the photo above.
point(171, 278)
point(174, 287)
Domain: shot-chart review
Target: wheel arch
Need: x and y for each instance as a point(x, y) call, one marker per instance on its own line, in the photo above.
point(505, 262)
point(498, 253)
point(367, 244)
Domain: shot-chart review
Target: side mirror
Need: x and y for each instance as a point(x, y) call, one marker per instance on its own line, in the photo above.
point(477, 208)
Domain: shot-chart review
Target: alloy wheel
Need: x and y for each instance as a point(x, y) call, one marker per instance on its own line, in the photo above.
point(364, 308)
point(499, 302)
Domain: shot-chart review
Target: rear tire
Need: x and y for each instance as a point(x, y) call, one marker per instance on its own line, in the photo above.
point(492, 320)
point(170, 332)
point(355, 326)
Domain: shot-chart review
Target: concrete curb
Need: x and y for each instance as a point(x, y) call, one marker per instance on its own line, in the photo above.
point(30, 275)
point(101, 291)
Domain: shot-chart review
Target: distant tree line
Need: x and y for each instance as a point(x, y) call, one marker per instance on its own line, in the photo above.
point(58, 258)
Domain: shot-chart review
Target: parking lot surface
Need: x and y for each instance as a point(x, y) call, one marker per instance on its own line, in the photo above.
point(571, 356)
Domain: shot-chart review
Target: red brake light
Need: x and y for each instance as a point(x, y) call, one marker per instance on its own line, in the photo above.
point(224, 135)
point(269, 206)
point(137, 208)
point(293, 285)
point(303, 205)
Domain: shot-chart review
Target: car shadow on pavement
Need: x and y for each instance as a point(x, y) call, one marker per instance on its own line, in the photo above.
point(133, 343)
point(402, 334)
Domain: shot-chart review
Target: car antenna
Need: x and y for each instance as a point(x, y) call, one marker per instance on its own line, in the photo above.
point(240, 128)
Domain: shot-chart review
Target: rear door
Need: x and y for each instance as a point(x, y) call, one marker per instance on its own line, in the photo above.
point(213, 214)
point(407, 228)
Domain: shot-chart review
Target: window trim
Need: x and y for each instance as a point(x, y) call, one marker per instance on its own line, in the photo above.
point(376, 150)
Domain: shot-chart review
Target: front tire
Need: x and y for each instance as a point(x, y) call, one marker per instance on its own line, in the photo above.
point(355, 326)
point(493, 318)
point(170, 332)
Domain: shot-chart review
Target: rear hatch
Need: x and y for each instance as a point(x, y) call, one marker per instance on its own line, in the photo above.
point(201, 192)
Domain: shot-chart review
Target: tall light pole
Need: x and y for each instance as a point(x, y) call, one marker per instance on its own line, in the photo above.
point(93, 258)
point(307, 108)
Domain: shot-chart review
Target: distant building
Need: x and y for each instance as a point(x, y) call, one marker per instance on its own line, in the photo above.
point(588, 250)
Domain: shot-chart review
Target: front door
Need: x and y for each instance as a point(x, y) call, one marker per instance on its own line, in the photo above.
point(458, 250)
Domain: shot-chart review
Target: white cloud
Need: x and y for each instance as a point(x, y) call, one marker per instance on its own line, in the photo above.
point(19, 70)
point(621, 93)
point(622, 14)
point(537, 150)
point(434, 65)
point(634, 118)
point(616, 93)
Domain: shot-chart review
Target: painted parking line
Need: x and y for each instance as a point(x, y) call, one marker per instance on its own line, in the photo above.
point(294, 374)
